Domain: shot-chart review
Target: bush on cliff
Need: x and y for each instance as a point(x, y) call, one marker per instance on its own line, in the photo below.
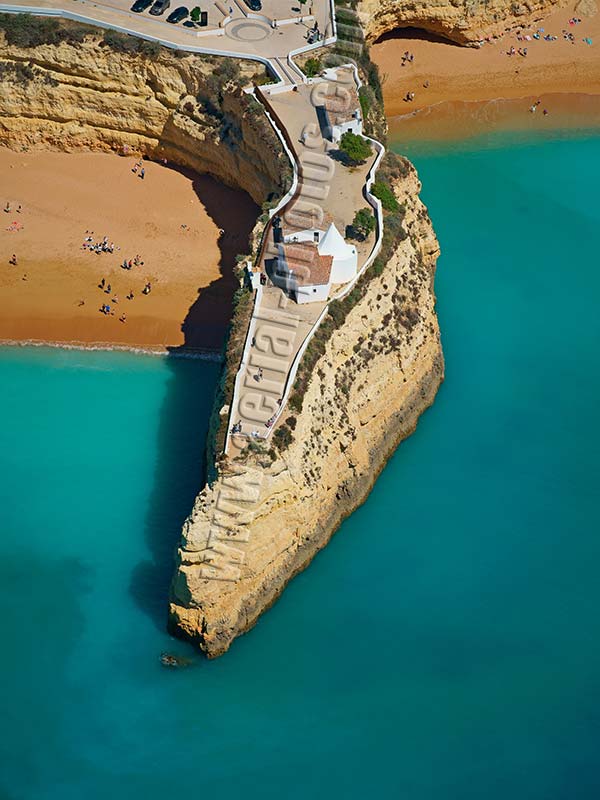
point(26, 30)
point(384, 192)
point(132, 45)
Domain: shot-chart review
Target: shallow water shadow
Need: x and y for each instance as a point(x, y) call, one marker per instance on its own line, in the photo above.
point(178, 477)
point(409, 33)
point(179, 473)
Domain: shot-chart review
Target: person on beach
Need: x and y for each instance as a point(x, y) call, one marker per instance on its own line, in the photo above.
point(142, 173)
point(102, 284)
point(122, 318)
point(13, 260)
point(7, 208)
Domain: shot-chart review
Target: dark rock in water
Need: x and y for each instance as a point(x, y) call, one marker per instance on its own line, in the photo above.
point(169, 660)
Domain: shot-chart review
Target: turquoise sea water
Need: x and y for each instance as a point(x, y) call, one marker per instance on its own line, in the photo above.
point(445, 645)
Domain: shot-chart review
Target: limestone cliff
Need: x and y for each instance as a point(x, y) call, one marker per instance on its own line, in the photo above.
point(461, 21)
point(186, 108)
point(262, 522)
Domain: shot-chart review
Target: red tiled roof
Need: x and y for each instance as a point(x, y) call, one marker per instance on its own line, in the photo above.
point(309, 267)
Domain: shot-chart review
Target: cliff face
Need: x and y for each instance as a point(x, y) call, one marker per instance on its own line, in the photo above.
point(66, 97)
point(461, 21)
point(260, 523)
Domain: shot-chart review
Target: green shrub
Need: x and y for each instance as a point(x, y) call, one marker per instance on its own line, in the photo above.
point(384, 193)
point(282, 438)
point(313, 67)
point(365, 96)
point(355, 148)
point(363, 224)
point(16, 73)
point(130, 45)
point(26, 30)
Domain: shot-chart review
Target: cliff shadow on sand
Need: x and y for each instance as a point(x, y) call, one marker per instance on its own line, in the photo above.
point(235, 213)
point(184, 415)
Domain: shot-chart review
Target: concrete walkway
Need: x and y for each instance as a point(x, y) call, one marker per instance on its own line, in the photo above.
point(280, 327)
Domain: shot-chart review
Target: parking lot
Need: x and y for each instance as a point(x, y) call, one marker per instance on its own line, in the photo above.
point(218, 11)
point(215, 16)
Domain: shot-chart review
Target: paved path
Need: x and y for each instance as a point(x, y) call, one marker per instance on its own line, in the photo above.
point(280, 326)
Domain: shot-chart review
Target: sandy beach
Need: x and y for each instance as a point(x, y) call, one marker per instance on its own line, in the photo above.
point(457, 90)
point(168, 219)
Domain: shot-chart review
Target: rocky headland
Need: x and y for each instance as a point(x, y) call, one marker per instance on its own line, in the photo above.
point(263, 520)
point(264, 514)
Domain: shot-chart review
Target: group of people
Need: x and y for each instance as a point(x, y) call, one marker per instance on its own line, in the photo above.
point(106, 308)
point(7, 208)
point(101, 246)
point(107, 311)
point(135, 262)
point(534, 108)
point(139, 169)
point(541, 34)
point(407, 58)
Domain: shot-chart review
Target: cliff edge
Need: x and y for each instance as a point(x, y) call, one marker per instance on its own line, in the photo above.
point(262, 521)
point(465, 22)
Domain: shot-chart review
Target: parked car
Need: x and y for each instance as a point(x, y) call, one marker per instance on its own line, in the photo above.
point(177, 15)
point(254, 5)
point(141, 5)
point(159, 7)
point(189, 24)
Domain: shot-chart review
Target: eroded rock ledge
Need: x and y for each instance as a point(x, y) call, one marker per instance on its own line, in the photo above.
point(87, 96)
point(461, 21)
point(261, 522)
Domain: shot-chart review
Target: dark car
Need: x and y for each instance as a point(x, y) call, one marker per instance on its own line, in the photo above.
point(254, 5)
point(141, 5)
point(160, 7)
point(177, 15)
point(189, 24)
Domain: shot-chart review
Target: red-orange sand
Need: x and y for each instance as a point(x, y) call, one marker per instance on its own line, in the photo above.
point(463, 91)
point(170, 219)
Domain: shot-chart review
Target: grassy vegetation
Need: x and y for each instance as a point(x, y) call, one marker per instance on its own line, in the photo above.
point(26, 30)
point(131, 45)
point(383, 191)
point(313, 67)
